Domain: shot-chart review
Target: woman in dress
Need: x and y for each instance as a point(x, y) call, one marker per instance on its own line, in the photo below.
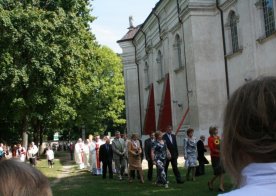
point(134, 157)
point(190, 154)
point(21, 151)
point(160, 154)
point(214, 146)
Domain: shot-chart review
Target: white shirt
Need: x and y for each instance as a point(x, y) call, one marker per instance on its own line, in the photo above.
point(35, 149)
point(258, 179)
point(170, 137)
point(50, 154)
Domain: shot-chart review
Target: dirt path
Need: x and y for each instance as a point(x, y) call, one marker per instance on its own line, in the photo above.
point(67, 170)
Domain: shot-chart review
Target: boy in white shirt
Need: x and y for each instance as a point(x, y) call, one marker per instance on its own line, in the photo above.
point(50, 157)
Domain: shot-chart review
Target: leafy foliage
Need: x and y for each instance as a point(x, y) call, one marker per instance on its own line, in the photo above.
point(52, 69)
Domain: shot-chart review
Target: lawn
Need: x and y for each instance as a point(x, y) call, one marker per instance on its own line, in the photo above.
point(67, 180)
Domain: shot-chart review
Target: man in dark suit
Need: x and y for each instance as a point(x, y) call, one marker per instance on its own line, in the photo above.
point(200, 170)
point(105, 156)
point(148, 146)
point(170, 140)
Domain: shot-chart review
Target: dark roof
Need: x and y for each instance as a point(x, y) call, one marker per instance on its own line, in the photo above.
point(130, 34)
point(133, 31)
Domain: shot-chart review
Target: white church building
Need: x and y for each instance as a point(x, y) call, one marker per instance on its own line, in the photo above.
point(182, 64)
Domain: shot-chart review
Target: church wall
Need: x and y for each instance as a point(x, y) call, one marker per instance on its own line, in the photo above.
point(201, 35)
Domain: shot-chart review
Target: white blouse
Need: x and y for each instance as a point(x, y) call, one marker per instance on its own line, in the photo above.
point(258, 179)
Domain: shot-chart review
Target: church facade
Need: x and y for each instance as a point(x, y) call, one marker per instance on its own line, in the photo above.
point(182, 64)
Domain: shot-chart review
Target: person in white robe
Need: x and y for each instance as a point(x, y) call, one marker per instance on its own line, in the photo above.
point(98, 143)
point(79, 153)
point(21, 151)
point(92, 154)
point(86, 154)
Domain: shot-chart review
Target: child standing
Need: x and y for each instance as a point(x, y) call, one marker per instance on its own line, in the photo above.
point(50, 157)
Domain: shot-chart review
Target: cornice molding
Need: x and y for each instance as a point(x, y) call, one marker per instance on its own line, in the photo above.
point(175, 28)
point(227, 4)
point(197, 6)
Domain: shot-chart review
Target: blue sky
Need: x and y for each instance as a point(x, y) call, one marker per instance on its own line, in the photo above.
point(112, 19)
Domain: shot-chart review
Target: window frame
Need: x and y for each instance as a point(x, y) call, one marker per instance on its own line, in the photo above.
point(233, 23)
point(269, 20)
point(159, 61)
point(178, 51)
point(146, 72)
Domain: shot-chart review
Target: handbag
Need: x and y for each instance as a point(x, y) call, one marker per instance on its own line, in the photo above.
point(169, 156)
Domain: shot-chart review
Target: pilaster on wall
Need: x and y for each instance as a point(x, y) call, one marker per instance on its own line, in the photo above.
point(132, 100)
point(210, 83)
point(131, 88)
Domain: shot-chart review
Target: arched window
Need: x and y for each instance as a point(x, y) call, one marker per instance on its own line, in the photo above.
point(146, 70)
point(269, 20)
point(178, 51)
point(159, 61)
point(234, 32)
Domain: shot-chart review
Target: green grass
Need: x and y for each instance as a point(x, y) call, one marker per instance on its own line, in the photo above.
point(51, 173)
point(81, 182)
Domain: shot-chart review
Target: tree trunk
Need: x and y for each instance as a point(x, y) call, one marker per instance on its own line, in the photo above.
point(24, 132)
point(41, 131)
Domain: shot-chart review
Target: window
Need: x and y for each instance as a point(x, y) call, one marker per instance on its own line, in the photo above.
point(269, 21)
point(178, 51)
point(159, 61)
point(146, 71)
point(234, 32)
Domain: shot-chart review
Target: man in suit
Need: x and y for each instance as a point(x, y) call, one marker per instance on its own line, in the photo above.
point(148, 146)
point(170, 140)
point(200, 170)
point(119, 151)
point(105, 156)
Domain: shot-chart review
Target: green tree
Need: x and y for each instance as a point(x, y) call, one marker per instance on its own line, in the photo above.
point(46, 54)
point(104, 102)
point(53, 74)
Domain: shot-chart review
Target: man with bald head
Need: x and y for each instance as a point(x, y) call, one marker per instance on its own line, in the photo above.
point(119, 151)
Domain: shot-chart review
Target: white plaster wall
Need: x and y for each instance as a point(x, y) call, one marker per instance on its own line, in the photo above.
point(131, 88)
point(266, 58)
point(132, 101)
point(204, 60)
point(210, 86)
point(256, 58)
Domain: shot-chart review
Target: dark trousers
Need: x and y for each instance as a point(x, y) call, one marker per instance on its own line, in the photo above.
point(107, 164)
point(51, 162)
point(132, 174)
point(200, 169)
point(175, 169)
point(32, 161)
point(150, 169)
point(71, 155)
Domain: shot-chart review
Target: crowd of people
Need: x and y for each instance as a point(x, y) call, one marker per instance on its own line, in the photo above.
point(247, 151)
point(20, 153)
point(20, 178)
point(123, 156)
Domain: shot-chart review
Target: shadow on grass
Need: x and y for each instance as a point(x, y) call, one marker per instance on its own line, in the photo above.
point(86, 184)
point(67, 179)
